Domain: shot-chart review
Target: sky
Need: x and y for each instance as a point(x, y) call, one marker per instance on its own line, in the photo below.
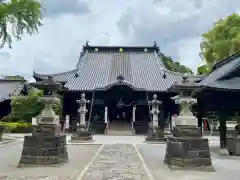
point(176, 26)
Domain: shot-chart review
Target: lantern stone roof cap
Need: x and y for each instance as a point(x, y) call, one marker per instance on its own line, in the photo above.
point(184, 85)
point(47, 84)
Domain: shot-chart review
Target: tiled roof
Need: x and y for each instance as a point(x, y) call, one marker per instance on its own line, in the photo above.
point(9, 88)
point(232, 84)
point(143, 70)
point(226, 60)
point(58, 77)
point(222, 71)
point(99, 67)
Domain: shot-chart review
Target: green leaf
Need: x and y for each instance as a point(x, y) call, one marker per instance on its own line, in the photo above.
point(25, 17)
point(221, 40)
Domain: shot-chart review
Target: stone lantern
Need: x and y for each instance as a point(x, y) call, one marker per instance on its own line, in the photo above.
point(186, 123)
point(186, 149)
point(46, 145)
point(82, 132)
point(154, 132)
point(2, 129)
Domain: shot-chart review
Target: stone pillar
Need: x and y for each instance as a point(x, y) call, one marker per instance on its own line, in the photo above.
point(82, 132)
point(2, 129)
point(83, 109)
point(155, 134)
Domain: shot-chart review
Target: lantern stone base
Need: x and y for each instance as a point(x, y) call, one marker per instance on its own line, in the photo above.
point(46, 130)
point(187, 131)
point(44, 150)
point(184, 153)
point(81, 134)
point(2, 129)
point(156, 137)
point(233, 146)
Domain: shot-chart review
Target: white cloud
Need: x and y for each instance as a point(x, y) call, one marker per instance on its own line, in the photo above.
point(175, 25)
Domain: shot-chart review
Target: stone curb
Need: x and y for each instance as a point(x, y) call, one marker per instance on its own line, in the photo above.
point(82, 144)
point(154, 142)
point(6, 141)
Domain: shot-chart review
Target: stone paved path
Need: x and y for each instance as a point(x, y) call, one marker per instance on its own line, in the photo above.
point(116, 162)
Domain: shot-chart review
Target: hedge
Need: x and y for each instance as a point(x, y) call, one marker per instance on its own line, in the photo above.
point(17, 127)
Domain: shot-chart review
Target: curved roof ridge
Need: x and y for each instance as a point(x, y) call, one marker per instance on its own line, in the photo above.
point(226, 60)
point(119, 82)
point(162, 65)
point(54, 74)
point(83, 56)
point(58, 77)
point(178, 73)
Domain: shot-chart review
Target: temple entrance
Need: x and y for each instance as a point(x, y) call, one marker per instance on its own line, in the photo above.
point(120, 115)
point(120, 109)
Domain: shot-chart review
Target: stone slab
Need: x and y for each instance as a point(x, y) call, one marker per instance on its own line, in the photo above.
point(233, 146)
point(44, 150)
point(188, 154)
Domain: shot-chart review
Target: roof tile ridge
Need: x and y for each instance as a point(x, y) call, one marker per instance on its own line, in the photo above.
point(182, 74)
point(230, 57)
point(54, 74)
point(82, 57)
point(82, 62)
point(16, 88)
point(157, 55)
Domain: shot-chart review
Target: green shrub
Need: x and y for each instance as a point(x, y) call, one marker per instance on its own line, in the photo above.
point(9, 118)
point(17, 127)
point(30, 106)
point(21, 129)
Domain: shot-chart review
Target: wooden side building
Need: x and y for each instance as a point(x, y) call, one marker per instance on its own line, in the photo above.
point(8, 88)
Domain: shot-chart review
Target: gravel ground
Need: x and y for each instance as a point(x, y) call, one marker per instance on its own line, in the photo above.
point(79, 156)
point(114, 160)
point(226, 168)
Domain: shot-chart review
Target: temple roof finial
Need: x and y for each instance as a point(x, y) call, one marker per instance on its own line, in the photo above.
point(154, 44)
point(87, 43)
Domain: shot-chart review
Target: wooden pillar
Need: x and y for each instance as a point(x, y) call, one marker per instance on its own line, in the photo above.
point(223, 129)
point(170, 120)
point(200, 114)
point(200, 120)
point(134, 113)
point(106, 114)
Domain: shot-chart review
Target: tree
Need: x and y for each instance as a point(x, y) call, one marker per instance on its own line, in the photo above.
point(221, 40)
point(30, 106)
point(17, 77)
point(23, 15)
point(174, 66)
point(203, 69)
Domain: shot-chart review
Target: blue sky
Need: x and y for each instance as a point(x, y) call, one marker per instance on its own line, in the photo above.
point(176, 25)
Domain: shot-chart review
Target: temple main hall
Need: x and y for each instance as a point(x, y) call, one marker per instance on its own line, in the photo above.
point(118, 81)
